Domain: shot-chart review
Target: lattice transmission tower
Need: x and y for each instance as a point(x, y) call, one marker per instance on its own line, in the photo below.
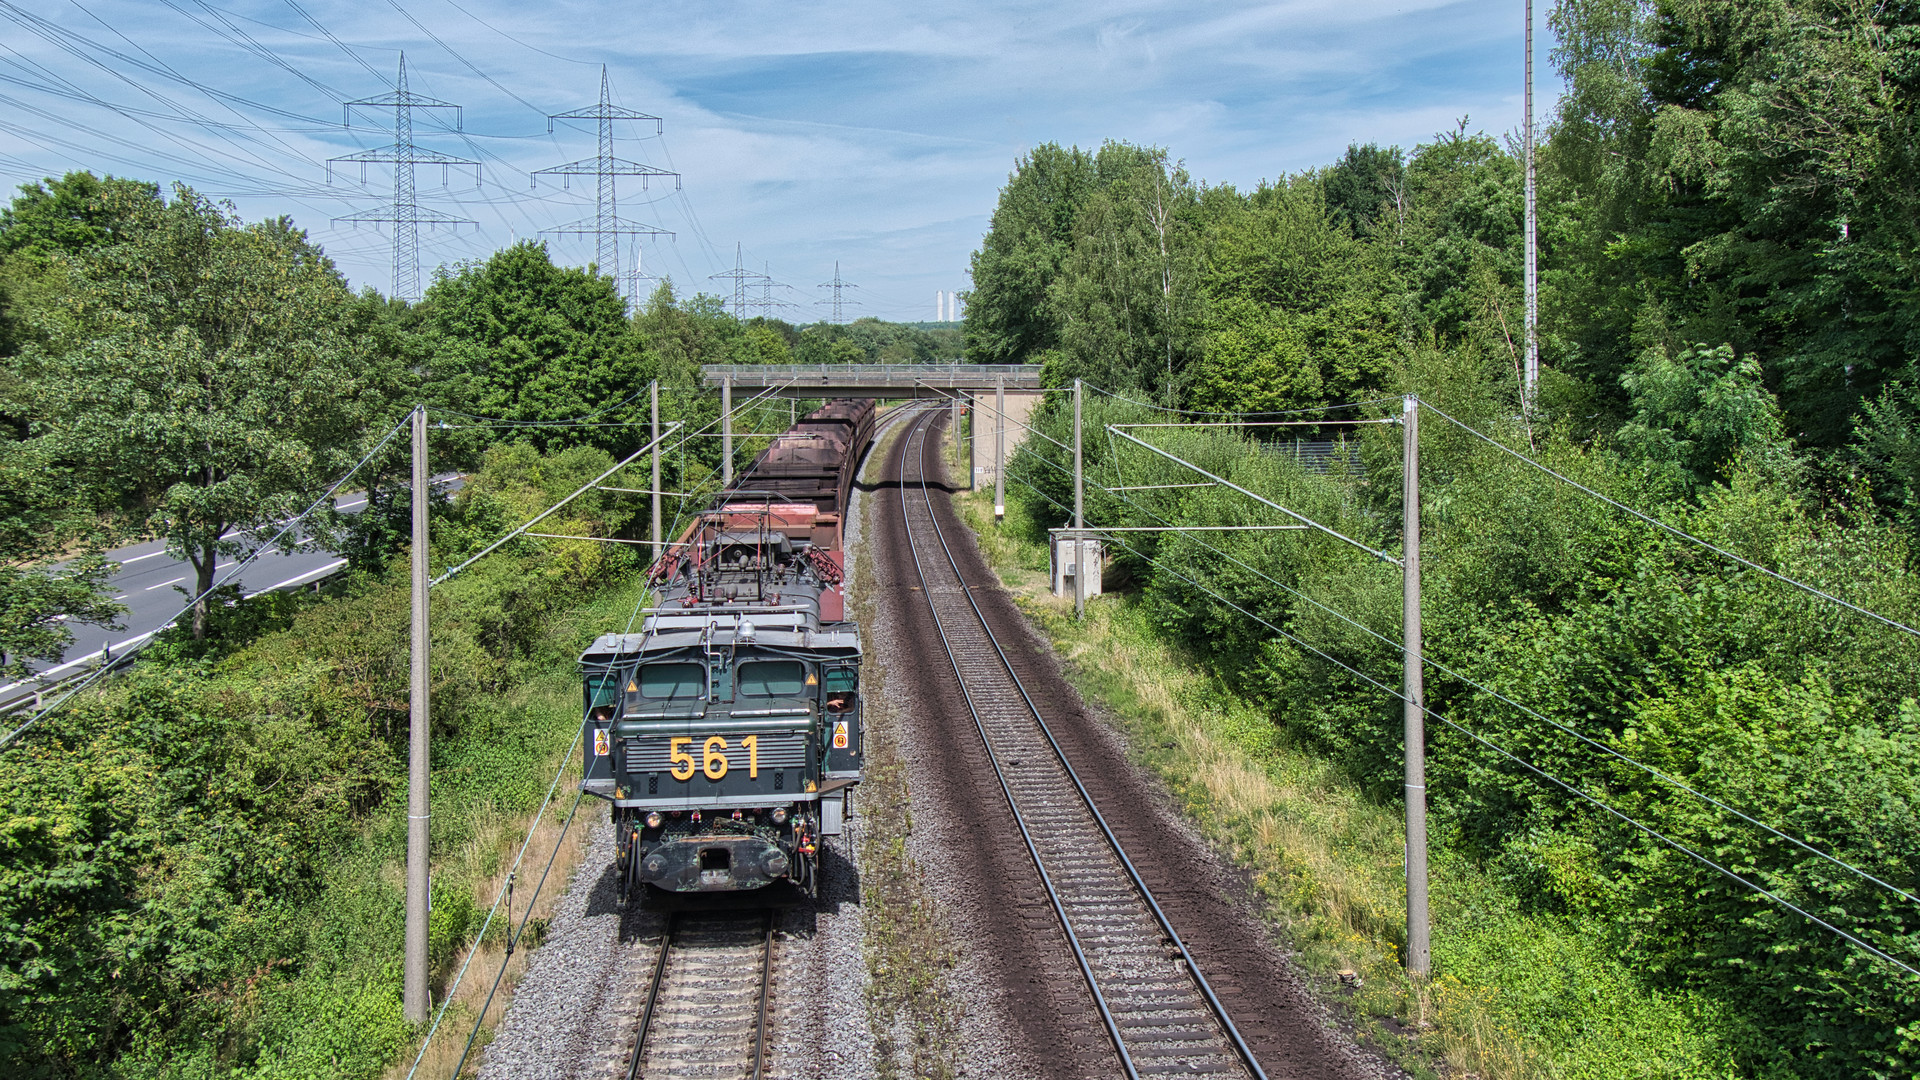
point(743, 279)
point(607, 226)
point(767, 304)
point(405, 214)
point(836, 285)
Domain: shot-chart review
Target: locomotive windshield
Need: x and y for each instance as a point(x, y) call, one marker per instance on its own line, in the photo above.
point(673, 681)
point(773, 678)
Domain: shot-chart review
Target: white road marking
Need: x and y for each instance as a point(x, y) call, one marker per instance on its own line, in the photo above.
point(351, 505)
point(337, 563)
point(122, 646)
point(95, 655)
point(137, 558)
point(164, 584)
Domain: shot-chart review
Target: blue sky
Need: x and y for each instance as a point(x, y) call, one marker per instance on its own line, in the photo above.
point(877, 135)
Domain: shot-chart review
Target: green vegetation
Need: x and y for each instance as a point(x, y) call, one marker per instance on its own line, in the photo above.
point(1520, 992)
point(201, 864)
point(200, 861)
point(1727, 264)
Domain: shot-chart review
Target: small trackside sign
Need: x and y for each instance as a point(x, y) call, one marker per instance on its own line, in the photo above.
point(840, 735)
point(600, 742)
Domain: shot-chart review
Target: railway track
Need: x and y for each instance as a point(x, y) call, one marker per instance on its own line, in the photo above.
point(1158, 1010)
point(705, 1016)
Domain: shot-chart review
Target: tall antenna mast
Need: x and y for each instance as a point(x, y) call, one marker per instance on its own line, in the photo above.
point(404, 212)
point(1533, 240)
point(607, 225)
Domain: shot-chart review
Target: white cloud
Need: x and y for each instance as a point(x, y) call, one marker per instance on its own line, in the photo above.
point(875, 133)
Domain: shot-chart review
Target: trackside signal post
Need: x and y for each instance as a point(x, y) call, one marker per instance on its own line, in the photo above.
point(999, 449)
point(1419, 955)
point(653, 392)
point(726, 433)
point(414, 990)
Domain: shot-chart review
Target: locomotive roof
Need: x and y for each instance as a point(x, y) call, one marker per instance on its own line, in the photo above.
point(671, 631)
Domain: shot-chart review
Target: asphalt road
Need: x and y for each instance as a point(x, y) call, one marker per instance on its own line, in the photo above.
point(154, 587)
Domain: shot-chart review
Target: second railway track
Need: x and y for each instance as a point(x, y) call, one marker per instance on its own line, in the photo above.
point(1159, 1013)
point(705, 1012)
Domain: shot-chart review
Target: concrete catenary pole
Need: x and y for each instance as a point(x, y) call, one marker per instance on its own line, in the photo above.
point(414, 983)
point(653, 393)
point(1079, 515)
point(1419, 957)
point(1533, 236)
point(726, 430)
point(999, 448)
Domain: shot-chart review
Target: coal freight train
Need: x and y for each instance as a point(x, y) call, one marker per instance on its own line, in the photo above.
point(726, 733)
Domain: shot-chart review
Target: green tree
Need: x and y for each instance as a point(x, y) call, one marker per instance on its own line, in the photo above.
point(37, 603)
point(203, 368)
point(1367, 184)
point(1009, 318)
point(1126, 298)
point(1298, 312)
point(521, 339)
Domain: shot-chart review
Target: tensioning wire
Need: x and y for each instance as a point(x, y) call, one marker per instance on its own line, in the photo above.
point(1529, 766)
point(1497, 695)
point(1681, 533)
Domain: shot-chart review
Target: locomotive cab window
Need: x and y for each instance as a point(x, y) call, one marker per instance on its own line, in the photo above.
point(841, 686)
point(679, 682)
point(603, 689)
point(772, 678)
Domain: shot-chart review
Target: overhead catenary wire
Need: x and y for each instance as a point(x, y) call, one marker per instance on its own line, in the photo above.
point(1674, 530)
point(1529, 766)
point(1271, 412)
point(1497, 695)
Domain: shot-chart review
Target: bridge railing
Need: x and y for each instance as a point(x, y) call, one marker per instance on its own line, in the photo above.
point(972, 376)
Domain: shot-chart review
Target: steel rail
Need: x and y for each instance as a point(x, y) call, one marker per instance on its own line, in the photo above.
point(653, 999)
point(766, 983)
point(658, 981)
point(1193, 969)
point(1033, 852)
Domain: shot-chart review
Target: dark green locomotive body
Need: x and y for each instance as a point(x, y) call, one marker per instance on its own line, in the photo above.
point(726, 732)
point(728, 742)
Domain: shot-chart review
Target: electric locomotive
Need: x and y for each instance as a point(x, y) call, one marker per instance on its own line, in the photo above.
point(726, 732)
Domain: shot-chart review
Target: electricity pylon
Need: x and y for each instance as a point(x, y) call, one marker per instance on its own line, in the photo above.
point(836, 285)
point(743, 279)
point(767, 304)
point(607, 225)
point(405, 214)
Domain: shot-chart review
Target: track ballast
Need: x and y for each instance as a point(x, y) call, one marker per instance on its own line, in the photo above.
point(1158, 1011)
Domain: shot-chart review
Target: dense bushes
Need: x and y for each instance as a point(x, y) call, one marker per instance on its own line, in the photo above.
point(1777, 704)
point(195, 867)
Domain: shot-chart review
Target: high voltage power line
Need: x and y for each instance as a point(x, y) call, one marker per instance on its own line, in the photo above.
point(836, 302)
point(405, 212)
point(608, 226)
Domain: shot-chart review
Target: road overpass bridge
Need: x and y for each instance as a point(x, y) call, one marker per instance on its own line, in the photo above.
point(889, 381)
point(1005, 394)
